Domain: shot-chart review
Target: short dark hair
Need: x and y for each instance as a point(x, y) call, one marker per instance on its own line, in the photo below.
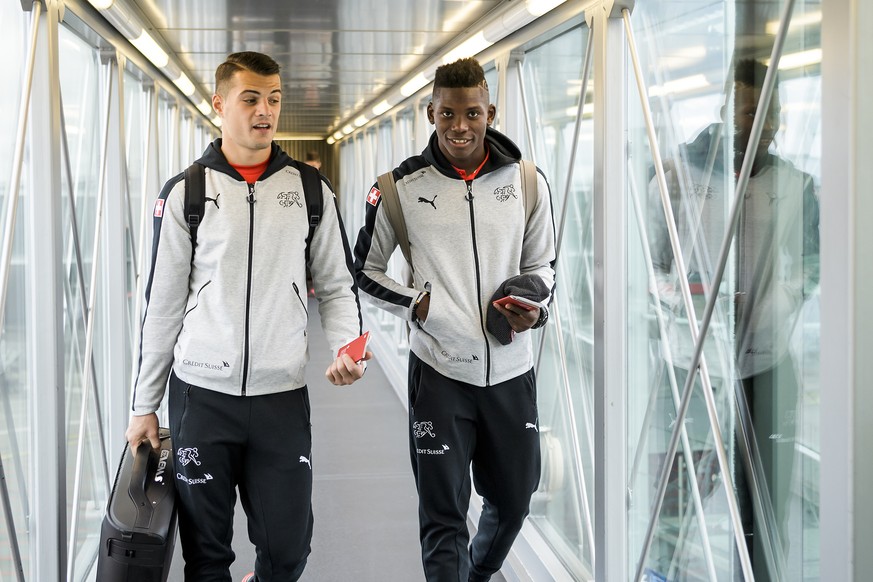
point(751, 73)
point(463, 73)
point(257, 63)
point(312, 156)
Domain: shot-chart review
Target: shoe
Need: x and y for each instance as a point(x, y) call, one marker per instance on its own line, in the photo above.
point(250, 577)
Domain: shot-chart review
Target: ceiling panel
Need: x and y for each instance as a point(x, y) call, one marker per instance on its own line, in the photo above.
point(336, 55)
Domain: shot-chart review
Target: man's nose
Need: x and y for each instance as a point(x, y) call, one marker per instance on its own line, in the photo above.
point(263, 109)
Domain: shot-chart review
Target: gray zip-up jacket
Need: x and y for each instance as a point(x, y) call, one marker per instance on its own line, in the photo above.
point(234, 319)
point(466, 239)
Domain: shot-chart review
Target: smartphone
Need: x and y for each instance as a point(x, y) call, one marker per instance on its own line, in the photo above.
point(522, 302)
point(357, 348)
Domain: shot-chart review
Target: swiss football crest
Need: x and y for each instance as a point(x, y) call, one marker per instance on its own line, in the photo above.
point(159, 208)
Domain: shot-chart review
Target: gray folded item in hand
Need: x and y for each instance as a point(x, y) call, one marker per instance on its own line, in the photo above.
point(527, 286)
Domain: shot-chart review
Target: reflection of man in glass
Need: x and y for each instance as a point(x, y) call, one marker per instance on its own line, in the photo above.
point(772, 269)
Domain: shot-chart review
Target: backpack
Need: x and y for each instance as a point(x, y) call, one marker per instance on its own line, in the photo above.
point(391, 199)
point(195, 198)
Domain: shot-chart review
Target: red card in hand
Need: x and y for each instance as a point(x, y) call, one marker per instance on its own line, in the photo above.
point(357, 348)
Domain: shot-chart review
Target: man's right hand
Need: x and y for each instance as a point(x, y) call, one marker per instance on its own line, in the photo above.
point(142, 428)
point(422, 309)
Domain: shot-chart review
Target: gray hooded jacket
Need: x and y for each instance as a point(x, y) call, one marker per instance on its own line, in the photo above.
point(234, 318)
point(466, 239)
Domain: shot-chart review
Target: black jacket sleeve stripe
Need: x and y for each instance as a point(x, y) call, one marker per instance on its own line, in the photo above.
point(362, 250)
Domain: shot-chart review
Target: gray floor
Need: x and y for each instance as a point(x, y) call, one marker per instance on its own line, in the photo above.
point(366, 517)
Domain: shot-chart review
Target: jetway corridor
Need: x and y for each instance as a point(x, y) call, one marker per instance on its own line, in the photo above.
point(699, 381)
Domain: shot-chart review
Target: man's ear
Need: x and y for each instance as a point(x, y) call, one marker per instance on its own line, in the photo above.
point(218, 104)
point(492, 112)
point(430, 113)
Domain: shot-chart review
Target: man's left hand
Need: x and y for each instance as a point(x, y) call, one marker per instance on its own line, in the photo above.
point(519, 319)
point(344, 371)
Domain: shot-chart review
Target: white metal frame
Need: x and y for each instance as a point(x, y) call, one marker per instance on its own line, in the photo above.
point(610, 292)
point(846, 510)
point(846, 312)
point(45, 334)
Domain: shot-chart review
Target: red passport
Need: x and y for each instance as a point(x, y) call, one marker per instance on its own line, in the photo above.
point(357, 348)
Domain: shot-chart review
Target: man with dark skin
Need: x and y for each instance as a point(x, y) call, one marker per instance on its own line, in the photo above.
point(472, 397)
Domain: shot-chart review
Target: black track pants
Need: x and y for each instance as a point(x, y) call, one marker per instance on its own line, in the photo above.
point(260, 444)
point(454, 424)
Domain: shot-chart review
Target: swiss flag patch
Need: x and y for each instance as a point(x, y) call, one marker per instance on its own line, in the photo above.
point(373, 196)
point(159, 207)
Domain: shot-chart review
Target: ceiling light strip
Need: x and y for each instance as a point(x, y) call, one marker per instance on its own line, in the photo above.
point(124, 20)
point(495, 30)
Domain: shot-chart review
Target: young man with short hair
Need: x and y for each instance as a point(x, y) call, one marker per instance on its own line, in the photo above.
point(472, 394)
point(227, 325)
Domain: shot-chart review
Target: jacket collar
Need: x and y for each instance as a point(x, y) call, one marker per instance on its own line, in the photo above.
point(503, 152)
point(214, 159)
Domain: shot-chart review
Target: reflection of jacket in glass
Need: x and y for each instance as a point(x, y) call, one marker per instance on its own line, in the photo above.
point(773, 266)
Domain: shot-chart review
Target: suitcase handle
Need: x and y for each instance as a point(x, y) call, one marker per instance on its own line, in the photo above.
point(137, 487)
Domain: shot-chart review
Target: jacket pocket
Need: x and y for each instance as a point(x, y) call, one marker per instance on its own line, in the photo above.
point(192, 305)
point(302, 304)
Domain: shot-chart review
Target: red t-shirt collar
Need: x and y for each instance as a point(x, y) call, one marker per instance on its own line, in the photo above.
point(472, 175)
point(251, 173)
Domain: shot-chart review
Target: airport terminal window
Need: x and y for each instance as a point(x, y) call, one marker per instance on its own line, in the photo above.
point(14, 395)
point(492, 77)
point(136, 109)
point(82, 89)
point(168, 138)
point(563, 505)
point(704, 66)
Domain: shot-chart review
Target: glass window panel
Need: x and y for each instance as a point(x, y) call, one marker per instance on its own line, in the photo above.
point(704, 65)
point(168, 137)
point(492, 77)
point(14, 380)
point(563, 505)
point(136, 104)
point(82, 89)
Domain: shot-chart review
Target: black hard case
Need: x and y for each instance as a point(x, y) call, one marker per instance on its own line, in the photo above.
point(139, 528)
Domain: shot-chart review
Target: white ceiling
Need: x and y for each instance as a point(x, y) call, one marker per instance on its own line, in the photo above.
point(336, 55)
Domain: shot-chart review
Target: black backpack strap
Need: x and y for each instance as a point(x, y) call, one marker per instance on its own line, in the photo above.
point(311, 179)
point(195, 200)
